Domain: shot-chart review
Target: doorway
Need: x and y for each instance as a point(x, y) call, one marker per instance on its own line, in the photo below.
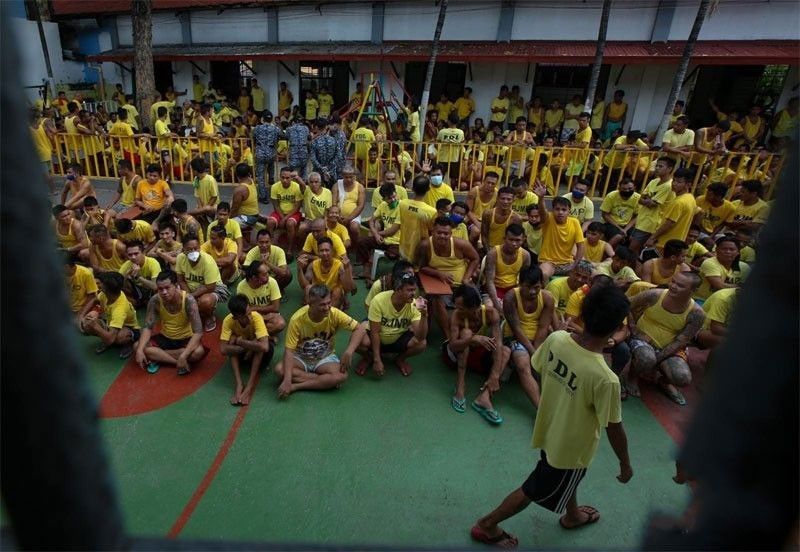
point(225, 76)
point(448, 78)
point(730, 87)
point(162, 73)
point(332, 75)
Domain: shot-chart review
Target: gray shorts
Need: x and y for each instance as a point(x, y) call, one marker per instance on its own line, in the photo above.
point(222, 292)
point(312, 368)
point(246, 220)
point(640, 235)
point(120, 208)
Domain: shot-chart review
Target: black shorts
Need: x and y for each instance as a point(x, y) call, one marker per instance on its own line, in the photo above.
point(398, 346)
point(550, 487)
point(163, 342)
point(611, 230)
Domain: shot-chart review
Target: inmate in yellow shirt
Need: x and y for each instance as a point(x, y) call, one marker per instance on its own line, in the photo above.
point(286, 197)
point(312, 341)
point(559, 239)
point(204, 273)
point(256, 329)
point(393, 323)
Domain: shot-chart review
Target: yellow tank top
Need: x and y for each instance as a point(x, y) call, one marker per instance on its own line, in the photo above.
point(497, 230)
point(330, 277)
point(536, 116)
point(451, 264)
point(43, 147)
point(65, 241)
point(659, 278)
point(371, 173)
point(129, 190)
point(594, 253)
point(506, 275)
point(249, 206)
point(114, 262)
point(206, 127)
point(700, 158)
point(662, 326)
point(349, 202)
point(751, 129)
point(616, 110)
point(529, 321)
point(175, 325)
point(480, 207)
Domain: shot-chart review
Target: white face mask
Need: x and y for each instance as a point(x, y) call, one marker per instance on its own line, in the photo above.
point(193, 256)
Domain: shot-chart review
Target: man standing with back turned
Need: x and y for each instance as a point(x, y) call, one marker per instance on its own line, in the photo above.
point(580, 395)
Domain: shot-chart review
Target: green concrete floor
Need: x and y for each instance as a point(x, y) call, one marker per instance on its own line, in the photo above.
point(379, 462)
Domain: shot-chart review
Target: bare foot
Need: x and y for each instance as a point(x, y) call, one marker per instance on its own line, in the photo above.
point(405, 368)
point(633, 388)
point(237, 394)
point(361, 367)
point(244, 397)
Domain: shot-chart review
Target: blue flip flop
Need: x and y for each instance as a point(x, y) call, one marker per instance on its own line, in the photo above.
point(459, 405)
point(153, 367)
point(490, 415)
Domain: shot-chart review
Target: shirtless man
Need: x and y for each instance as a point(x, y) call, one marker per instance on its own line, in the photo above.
point(76, 185)
point(658, 348)
point(451, 260)
point(178, 342)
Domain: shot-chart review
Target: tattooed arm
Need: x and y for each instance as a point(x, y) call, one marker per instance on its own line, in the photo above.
point(694, 321)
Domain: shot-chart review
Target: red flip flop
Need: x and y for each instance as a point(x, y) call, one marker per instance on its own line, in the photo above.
point(503, 540)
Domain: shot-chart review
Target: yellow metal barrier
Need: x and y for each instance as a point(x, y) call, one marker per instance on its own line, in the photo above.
point(464, 164)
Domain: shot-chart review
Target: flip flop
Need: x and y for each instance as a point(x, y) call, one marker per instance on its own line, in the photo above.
point(126, 351)
point(183, 371)
point(100, 349)
point(488, 414)
point(153, 367)
point(459, 405)
point(480, 535)
point(593, 514)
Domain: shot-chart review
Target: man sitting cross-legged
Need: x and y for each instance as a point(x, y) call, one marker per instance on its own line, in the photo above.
point(476, 343)
point(199, 275)
point(120, 326)
point(528, 310)
point(309, 359)
point(178, 343)
point(398, 324)
point(263, 294)
point(335, 274)
point(561, 233)
point(139, 273)
point(662, 324)
point(244, 337)
point(272, 256)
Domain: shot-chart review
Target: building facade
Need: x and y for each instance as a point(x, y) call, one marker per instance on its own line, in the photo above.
point(747, 50)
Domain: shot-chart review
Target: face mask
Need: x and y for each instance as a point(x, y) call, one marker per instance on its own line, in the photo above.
point(70, 177)
point(394, 204)
point(456, 219)
point(626, 195)
point(577, 195)
point(436, 180)
point(193, 256)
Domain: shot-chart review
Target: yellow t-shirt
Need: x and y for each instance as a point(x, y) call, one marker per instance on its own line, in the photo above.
point(149, 270)
point(314, 206)
point(276, 256)
point(415, 217)
point(649, 218)
point(676, 140)
point(719, 307)
point(696, 249)
point(553, 118)
point(124, 130)
point(500, 116)
point(152, 195)
point(228, 246)
point(154, 108)
point(206, 189)
point(44, 148)
point(559, 239)
point(284, 100)
point(616, 110)
point(575, 303)
point(559, 288)
point(451, 150)
point(261, 296)
point(204, 273)
point(757, 212)
point(232, 228)
point(580, 396)
point(389, 217)
point(620, 210)
point(399, 192)
point(120, 313)
point(444, 109)
point(574, 110)
point(435, 193)
point(286, 197)
point(712, 267)
point(311, 109)
point(81, 285)
point(533, 237)
point(310, 245)
point(325, 102)
point(520, 206)
point(712, 216)
point(363, 138)
point(625, 274)
point(393, 323)
point(598, 110)
point(680, 210)
point(340, 231)
point(583, 210)
point(464, 106)
point(312, 341)
point(141, 231)
point(256, 329)
point(162, 132)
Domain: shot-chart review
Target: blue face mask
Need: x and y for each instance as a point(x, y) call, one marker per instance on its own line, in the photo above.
point(576, 195)
point(456, 219)
point(70, 177)
point(436, 180)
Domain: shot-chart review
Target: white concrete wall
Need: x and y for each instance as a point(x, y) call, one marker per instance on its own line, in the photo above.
point(580, 21)
point(465, 20)
point(236, 25)
point(741, 21)
point(166, 29)
point(332, 22)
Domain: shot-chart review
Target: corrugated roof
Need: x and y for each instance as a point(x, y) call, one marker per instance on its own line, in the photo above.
point(727, 52)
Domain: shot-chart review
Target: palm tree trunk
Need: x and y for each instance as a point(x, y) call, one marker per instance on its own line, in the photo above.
point(598, 57)
point(141, 12)
point(680, 74)
point(426, 90)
